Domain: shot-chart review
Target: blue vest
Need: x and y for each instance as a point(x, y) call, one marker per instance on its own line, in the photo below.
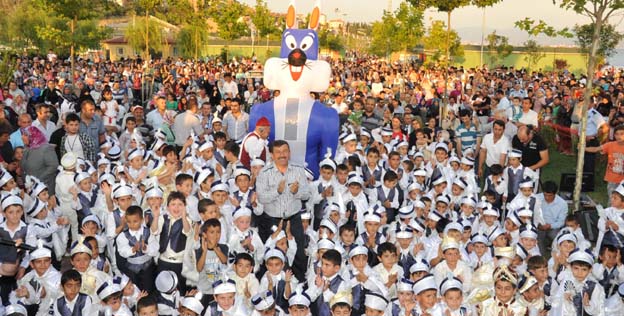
point(513, 181)
point(86, 204)
point(322, 307)
point(366, 174)
point(609, 281)
point(81, 301)
point(578, 298)
point(172, 236)
point(137, 268)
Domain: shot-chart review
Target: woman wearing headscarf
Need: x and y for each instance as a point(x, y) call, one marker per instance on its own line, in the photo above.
point(38, 160)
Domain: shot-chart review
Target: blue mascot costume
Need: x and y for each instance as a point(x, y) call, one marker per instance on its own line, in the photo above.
point(309, 127)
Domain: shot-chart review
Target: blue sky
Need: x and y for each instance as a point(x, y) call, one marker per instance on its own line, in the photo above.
point(467, 21)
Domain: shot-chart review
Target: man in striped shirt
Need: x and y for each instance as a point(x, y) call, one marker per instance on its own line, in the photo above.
point(281, 186)
point(467, 134)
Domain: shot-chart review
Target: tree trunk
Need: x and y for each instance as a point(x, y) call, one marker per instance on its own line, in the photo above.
point(445, 101)
point(588, 98)
point(147, 54)
point(72, 28)
point(482, 38)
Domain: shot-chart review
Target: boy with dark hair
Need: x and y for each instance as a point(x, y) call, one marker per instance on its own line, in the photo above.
point(184, 184)
point(73, 302)
point(609, 270)
point(496, 183)
point(388, 269)
point(327, 282)
point(173, 229)
point(147, 306)
point(210, 258)
point(388, 195)
point(137, 247)
point(220, 140)
point(578, 293)
point(538, 267)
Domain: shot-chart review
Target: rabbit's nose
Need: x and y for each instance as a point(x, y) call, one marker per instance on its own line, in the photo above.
point(297, 58)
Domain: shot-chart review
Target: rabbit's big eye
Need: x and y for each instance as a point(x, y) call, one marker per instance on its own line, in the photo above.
point(307, 42)
point(291, 42)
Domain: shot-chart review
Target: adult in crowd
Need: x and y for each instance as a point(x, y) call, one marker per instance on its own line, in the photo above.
point(37, 159)
point(160, 115)
point(91, 124)
point(370, 120)
point(43, 120)
point(494, 148)
point(534, 149)
point(597, 128)
point(281, 188)
point(23, 121)
point(236, 122)
point(554, 212)
point(614, 174)
point(186, 123)
point(254, 145)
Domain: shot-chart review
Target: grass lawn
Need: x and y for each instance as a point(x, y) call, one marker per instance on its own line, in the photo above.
point(560, 163)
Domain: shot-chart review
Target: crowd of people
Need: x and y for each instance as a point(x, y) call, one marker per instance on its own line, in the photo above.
point(137, 188)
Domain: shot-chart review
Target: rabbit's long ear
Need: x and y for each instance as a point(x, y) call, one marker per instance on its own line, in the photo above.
point(315, 16)
point(291, 16)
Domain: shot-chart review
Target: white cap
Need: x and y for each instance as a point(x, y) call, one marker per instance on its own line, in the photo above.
point(107, 289)
point(241, 171)
point(515, 153)
point(526, 183)
point(91, 218)
point(205, 145)
point(581, 255)
point(443, 199)
point(263, 301)
point(354, 178)
point(80, 246)
point(274, 253)
point(376, 301)
point(10, 199)
point(460, 182)
point(358, 250)
point(298, 298)
point(567, 237)
point(240, 212)
point(438, 180)
point(405, 232)
point(425, 283)
point(467, 161)
point(405, 285)
point(434, 216)
point(201, 175)
point(372, 216)
point(528, 231)
point(414, 186)
point(490, 210)
point(454, 226)
point(469, 201)
point(68, 161)
point(122, 189)
point(40, 252)
point(78, 177)
point(406, 211)
point(329, 224)
point(166, 282)
point(495, 233)
point(137, 152)
point(222, 287)
point(449, 243)
point(15, 310)
point(450, 283)
point(218, 186)
point(121, 280)
point(479, 238)
point(419, 266)
point(257, 162)
point(325, 243)
point(417, 225)
point(526, 282)
point(420, 173)
point(193, 304)
point(36, 208)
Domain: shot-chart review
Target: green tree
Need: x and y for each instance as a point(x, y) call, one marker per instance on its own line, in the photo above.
point(229, 15)
point(599, 12)
point(329, 40)
point(384, 32)
point(533, 53)
point(483, 4)
point(609, 39)
point(410, 26)
point(535, 28)
point(143, 35)
point(264, 21)
point(436, 41)
point(74, 13)
point(192, 38)
point(499, 48)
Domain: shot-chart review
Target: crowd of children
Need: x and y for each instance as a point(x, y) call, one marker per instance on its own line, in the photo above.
point(152, 231)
